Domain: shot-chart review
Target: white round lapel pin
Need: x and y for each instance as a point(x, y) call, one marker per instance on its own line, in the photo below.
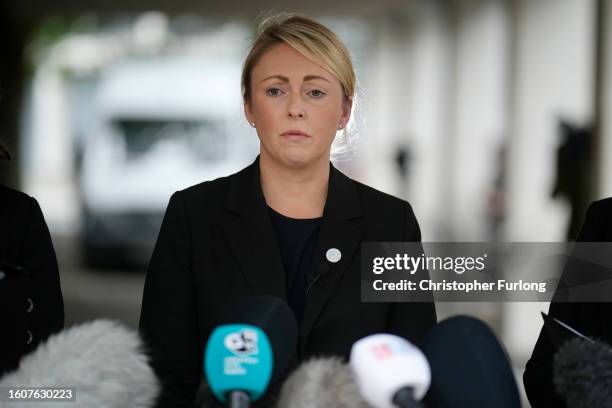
point(333, 255)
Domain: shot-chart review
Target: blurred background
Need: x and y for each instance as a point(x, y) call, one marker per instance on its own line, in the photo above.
point(492, 117)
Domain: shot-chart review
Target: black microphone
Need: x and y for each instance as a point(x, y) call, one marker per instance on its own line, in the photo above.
point(318, 274)
point(102, 362)
point(274, 316)
point(582, 373)
point(321, 383)
point(248, 354)
point(469, 366)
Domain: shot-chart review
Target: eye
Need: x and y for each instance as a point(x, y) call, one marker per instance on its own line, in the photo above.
point(273, 92)
point(316, 93)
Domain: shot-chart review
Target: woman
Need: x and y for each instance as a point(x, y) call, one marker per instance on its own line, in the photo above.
point(590, 319)
point(288, 225)
point(31, 305)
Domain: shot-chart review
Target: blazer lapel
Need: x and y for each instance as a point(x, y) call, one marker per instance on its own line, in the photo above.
point(342, 228)
point(250, 235)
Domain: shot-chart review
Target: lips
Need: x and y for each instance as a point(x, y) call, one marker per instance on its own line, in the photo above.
point(294, 133)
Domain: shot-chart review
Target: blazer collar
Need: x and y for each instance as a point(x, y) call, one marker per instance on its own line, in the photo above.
point(251, 236)
point(254, 244)
point(342, 229)
point(245, 194)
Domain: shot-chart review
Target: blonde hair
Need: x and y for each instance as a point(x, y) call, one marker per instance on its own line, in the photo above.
point(311, 39)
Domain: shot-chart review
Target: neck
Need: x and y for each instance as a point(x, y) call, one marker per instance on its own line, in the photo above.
point(294, 192)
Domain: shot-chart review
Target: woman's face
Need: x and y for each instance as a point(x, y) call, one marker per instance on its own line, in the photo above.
point(297, 107)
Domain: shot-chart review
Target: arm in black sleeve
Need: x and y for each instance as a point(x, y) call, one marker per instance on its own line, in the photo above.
point(412, 320)
point(168, 320)
point(538, 376)
point(43, 287)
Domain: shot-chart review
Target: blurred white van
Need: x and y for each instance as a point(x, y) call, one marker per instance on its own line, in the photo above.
point(162, 125)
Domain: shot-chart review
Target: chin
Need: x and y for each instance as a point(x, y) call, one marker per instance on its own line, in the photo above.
point(299, 159)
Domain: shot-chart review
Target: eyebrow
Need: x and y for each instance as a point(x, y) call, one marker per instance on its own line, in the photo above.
point(285, 79)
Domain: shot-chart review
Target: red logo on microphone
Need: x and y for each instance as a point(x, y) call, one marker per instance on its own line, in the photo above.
point(382, 351)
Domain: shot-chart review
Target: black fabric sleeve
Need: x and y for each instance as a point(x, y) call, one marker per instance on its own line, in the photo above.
point(168, 319)
point(538, 376)
point(412, 320)
point(47, 313)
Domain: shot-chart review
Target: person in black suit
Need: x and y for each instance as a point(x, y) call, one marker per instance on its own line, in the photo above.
point(590, 319)
point(289, 225)
point(31, 305)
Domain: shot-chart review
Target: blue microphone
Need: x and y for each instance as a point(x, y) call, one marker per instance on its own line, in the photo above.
point(247, 355)
point(238, 363)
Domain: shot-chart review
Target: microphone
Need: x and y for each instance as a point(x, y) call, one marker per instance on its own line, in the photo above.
point(321, 383)
point(318, 273)
point(249, 353)
point(582, 373)
point(469, 367)
point(102, 361)
point(390, 371)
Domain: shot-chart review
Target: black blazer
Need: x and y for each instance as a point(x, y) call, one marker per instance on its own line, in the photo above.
point(31, 306)
point(589, 318)
point(216, 246)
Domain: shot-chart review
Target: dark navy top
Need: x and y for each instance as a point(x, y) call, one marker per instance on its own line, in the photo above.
point(297, 240)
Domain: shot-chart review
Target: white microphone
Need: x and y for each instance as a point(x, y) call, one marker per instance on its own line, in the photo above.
point(390, 371)
point(101, 361)
point(321, 383)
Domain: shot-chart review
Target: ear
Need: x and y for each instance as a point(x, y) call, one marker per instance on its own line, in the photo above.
point(248, 113)
point(347, 105)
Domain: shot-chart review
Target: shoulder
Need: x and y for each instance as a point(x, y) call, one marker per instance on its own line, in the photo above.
point(598, 222)
point(21, 218)
point(16, 203)
point(208, 195)
point(603, 206)
point(207, 190)
point(377, 202)
point(389, 218)
point(373, 198)
point(14, 197)
point(218, 187)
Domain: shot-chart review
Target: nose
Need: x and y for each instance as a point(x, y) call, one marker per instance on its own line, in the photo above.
point(295, 109)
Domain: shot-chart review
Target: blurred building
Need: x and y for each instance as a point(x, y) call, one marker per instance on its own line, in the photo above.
point(459, 111)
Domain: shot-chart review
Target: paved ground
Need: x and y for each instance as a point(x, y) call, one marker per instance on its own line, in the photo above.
point(90, 294)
